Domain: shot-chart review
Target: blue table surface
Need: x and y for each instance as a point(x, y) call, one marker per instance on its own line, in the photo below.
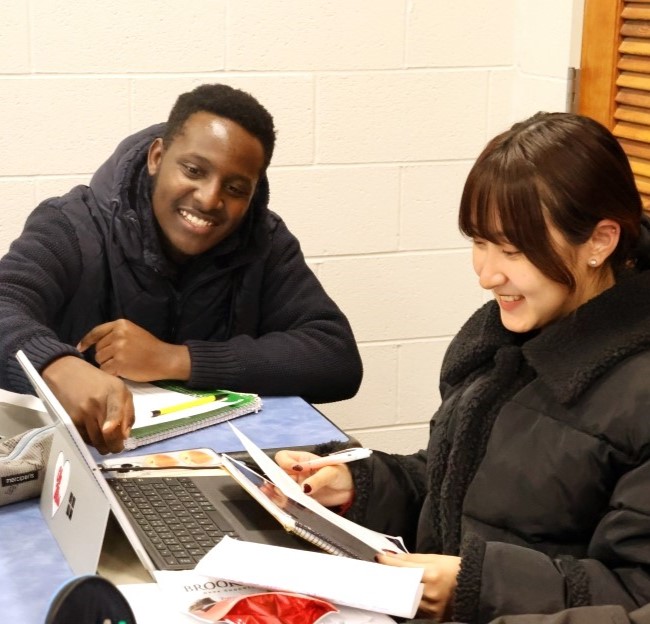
point(32, 567)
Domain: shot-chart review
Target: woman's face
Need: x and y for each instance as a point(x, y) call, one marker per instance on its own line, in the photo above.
point(527, 298)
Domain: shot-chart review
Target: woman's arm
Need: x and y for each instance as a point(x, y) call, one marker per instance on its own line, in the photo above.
point(498, 578)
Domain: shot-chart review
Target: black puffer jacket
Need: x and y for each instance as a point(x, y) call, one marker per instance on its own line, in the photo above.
point(538, 468)
point(252, 313)
point(607, 614)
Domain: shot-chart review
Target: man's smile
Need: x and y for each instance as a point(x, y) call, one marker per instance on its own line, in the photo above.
point(196, 221)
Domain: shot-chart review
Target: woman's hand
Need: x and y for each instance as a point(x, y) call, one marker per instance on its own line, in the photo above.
point(439, 578)
point(331, 486)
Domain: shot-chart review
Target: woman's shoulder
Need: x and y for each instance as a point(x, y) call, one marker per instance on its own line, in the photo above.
point(616, 407)
point(626, 380)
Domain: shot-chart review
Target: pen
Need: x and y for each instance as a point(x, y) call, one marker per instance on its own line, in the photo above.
point(186, 405)
point(339, 457)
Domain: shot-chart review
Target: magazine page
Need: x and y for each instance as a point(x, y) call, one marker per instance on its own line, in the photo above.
point(289, 487)
point(199, 461)
point(308, 524)
point(168, 601)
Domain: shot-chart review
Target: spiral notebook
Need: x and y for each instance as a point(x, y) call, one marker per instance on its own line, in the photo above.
point(167, 409)
point(302, 515)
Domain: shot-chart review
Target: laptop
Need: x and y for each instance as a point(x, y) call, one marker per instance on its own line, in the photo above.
point(86, 512)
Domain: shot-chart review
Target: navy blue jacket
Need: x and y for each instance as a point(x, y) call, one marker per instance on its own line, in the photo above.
point(251, 312)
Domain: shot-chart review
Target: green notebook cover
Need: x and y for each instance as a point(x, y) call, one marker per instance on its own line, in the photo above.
point(148, 398)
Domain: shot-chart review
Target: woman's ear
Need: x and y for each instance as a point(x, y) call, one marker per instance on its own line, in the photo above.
point(603, 241)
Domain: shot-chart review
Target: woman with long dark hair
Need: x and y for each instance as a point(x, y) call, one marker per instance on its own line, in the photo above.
point(533, 494)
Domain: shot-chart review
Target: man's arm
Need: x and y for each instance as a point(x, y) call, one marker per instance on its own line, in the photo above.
point(38, 276)
point(305, 345)
point(124, 349)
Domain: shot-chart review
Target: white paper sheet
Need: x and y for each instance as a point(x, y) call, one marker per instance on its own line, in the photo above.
point(163, 602)
point(341, 580)
point(274, 473)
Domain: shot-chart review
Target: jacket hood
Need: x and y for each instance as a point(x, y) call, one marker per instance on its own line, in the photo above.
point(116, 174)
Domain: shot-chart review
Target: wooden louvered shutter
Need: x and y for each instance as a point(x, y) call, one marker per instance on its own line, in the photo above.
point(615, 78)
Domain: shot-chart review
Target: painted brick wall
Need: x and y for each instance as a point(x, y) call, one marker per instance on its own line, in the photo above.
point(381, 107)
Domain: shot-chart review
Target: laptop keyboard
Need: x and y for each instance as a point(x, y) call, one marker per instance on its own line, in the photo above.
point(178, 524)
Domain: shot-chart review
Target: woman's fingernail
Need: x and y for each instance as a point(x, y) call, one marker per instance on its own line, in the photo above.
point(306, 488)
point(297, 468)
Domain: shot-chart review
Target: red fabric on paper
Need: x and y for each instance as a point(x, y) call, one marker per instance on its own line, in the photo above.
point(267, 608)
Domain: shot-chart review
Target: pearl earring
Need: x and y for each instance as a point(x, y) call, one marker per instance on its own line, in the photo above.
point(593, 262)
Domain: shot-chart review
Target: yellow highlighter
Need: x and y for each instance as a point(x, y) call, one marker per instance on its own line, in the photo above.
point(186, 405)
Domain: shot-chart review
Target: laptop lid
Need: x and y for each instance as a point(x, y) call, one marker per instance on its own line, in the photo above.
point(77, 502)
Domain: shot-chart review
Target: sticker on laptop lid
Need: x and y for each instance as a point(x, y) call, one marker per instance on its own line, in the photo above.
point(60, 482)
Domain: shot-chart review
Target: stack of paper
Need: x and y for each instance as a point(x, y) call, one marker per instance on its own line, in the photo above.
point(351, 582)
point(168, 601)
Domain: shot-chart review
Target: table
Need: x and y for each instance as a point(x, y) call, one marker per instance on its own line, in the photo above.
point(32, 567)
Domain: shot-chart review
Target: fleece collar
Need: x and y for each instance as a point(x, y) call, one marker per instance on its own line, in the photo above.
point(568, 356)
point(571, 354)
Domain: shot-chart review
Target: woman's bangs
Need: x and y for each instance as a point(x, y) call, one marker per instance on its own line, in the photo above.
point(495, 210)
point(479, 215)
point(521, 216)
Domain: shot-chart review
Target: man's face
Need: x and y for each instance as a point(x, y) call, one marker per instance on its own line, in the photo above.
point(203, 183)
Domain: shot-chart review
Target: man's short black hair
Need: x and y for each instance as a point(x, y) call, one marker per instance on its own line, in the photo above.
point(228, 102)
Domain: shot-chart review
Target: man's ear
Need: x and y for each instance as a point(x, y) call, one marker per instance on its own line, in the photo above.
point(604, 240)
point(154, 156)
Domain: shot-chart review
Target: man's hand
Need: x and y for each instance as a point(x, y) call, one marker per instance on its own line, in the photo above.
point(439, 578)
point(100, 405)
point(124, 349)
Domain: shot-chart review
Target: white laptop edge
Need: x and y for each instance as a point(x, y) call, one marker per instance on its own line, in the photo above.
point(65, 426)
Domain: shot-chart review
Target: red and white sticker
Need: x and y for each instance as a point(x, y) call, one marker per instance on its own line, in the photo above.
point(60, 483)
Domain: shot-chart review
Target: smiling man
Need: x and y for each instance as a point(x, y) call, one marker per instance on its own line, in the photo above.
point(170, 265)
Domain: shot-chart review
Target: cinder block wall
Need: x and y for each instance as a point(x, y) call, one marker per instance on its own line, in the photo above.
point(381, 107)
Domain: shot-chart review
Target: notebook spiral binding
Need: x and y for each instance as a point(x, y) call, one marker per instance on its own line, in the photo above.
point(140, 439)
point(319, 541)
